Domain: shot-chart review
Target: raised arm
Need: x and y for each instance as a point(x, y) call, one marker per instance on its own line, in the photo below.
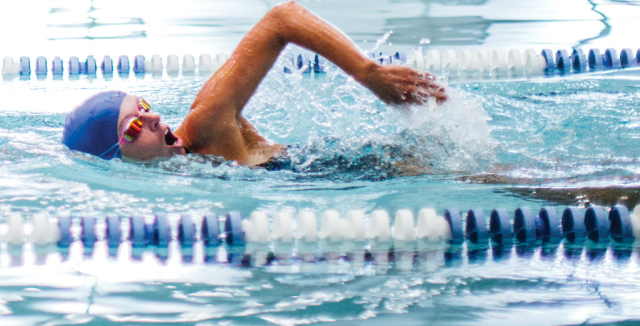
point(215, 120)
point(291, 23)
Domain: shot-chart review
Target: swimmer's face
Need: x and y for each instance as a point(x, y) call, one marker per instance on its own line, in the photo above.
point(154, 141)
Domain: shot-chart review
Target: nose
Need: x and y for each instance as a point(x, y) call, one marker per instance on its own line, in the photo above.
point(150, 119)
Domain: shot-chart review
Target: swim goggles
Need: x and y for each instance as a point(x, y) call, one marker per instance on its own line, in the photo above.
point(132, 129)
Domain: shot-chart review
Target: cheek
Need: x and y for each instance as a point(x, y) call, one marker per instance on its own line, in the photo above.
point(146, 140)
point(143, 148)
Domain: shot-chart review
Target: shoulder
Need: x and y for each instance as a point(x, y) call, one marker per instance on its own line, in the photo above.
point(211, 132)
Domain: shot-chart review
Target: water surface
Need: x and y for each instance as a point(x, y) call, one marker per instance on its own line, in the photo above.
point(528, 142)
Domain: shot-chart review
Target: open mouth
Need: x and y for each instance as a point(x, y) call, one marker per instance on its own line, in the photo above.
point(170, 138)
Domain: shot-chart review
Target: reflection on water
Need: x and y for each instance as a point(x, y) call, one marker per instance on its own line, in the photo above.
point(199, 27)
point(550, 133)
point(441, 30)
point(223, 285)
point(91, 24)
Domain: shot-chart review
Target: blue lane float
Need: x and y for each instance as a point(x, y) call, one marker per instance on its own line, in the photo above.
point(161, 231)
point(400, 57)
point(25, 66)
point(552, 230)
point(123, 64)
point(74, 66)
point(579, 60)
point(83, 67)
point(548, 57)
point(210, 231)
point(57, 67)
point(234, 235)
point(107, 65)
point(610, 59)
point(137, 231)
point(563, 63)
point(88, 235)
point(64, 225)
point(573, 225)
point(287, 69)
point(500, 227)
point(595, 60)
point(627, 59)
point(454, 218)
point(186, 231)
point(41, 66)
point(476, 228)
point(112, 231)
point(149, 232)
point(596, 224)
point(138, 64)
point(524, 226)
point(621, 229)
point(90, 65)
point(300, 63)
point(303, 64)
point(319, 65)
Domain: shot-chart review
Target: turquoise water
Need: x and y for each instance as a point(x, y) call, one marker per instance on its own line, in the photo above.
point(535, 142)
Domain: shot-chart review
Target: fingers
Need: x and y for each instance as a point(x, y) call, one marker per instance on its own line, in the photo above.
point(432, 89)
point(441, 97)
point(420, 95)
point(403, 85)
point(416, 73)
point(428, 76)
point(428, 82)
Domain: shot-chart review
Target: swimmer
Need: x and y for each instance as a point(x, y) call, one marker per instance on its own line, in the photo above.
point(118, 125)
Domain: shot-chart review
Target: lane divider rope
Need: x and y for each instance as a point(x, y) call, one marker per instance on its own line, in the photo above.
point(455, 65)
point(574, 225)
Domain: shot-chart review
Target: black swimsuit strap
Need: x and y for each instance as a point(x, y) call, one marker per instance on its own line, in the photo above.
point(279, 162)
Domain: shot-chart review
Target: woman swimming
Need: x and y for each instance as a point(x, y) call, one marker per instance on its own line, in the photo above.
point(117, 125)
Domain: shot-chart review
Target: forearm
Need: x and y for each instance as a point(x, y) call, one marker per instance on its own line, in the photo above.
point(299, 26)
point(234, 83)
point(226, 93)
point(393, 84)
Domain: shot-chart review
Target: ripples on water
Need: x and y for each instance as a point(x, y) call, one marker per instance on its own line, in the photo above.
point(555, 285)
point(552, 132)
point(578, 131)
point(340, 135)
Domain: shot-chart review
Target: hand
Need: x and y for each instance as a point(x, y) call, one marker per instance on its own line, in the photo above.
point(395, 84)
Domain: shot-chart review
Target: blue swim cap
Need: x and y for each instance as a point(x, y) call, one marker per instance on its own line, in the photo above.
point(92, 127)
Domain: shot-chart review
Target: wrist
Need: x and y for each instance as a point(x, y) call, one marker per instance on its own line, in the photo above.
point(366, 71)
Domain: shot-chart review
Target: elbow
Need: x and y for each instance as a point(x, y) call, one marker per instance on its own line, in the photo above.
point(283, 13)
point(285, 8)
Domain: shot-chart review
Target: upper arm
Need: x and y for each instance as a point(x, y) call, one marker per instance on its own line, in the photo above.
point(233, 84)
point(214, 125)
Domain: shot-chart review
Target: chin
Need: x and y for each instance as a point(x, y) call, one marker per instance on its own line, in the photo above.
point(134, 158)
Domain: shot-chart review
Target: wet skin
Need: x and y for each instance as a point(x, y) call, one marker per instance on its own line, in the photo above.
point(153, 139)
point(576, 196)
point(215, 125)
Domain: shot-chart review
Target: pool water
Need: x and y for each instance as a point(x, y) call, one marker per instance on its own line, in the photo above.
point(558, 141)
